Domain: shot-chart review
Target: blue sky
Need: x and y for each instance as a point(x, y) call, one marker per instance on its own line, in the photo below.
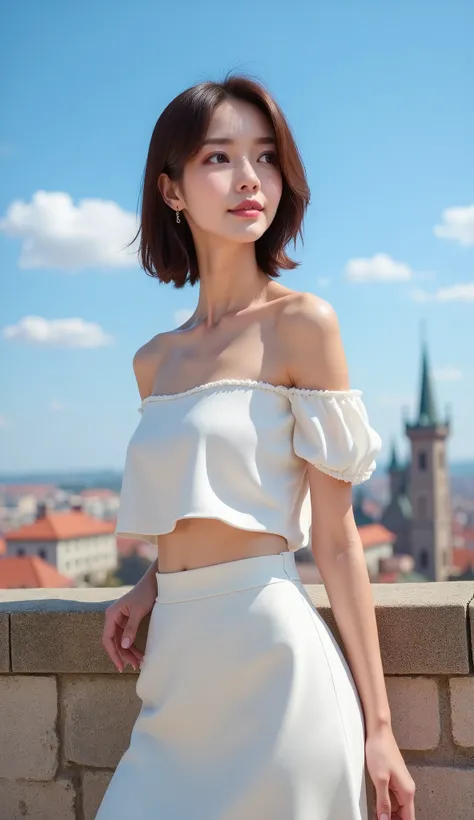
point(378, 97)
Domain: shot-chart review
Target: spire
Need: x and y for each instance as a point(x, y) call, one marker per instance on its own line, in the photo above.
point(394, 465)
point(427, 416)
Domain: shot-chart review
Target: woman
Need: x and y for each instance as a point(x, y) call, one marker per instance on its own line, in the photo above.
point(249, 431)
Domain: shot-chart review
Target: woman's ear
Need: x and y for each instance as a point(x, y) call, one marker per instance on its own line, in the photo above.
point(170, 192)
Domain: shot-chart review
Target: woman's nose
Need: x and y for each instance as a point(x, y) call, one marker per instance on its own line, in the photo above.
point(247, 177)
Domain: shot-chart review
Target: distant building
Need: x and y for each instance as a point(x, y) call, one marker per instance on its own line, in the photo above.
point(77, 545)
point(377, 542)
point(419, 510)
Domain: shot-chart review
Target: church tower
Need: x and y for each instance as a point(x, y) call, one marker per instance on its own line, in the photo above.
point(429, 485)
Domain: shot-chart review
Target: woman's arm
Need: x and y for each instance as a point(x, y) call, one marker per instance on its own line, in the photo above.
point(149, 577)
point(339, 556)
point(316, 360)
point(312, 342)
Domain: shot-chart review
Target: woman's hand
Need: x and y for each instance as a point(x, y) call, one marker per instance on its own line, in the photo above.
point(122, 619)
point(393, 783)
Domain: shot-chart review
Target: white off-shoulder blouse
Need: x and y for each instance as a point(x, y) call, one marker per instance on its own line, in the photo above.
point(237, 450)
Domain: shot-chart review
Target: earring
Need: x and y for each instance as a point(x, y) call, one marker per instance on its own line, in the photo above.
point(177, 217)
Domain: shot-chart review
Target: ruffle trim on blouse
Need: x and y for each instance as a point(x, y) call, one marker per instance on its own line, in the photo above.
point(281, 389)
point(345, 475)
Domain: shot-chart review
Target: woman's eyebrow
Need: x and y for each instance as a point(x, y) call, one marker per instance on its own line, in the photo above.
point(228, 141)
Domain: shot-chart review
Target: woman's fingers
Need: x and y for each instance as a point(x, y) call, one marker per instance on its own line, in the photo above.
point(131, 655)
point(108, 640)
point(115, 623)
point(137, 652)
point(121, 652)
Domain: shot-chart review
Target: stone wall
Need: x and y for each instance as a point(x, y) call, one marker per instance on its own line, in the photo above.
point(66, 714)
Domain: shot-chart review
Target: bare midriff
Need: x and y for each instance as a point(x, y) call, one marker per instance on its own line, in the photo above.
point(200, 542)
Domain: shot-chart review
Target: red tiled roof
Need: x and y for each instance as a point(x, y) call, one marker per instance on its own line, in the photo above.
point(30, 572)
point(60, 526)
point(462, 558)
point(372, 535)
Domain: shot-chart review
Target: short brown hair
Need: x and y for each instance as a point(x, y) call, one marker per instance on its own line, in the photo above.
point(166, 250)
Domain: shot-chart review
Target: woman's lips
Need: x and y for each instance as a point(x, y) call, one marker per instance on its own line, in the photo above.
point(250, 213)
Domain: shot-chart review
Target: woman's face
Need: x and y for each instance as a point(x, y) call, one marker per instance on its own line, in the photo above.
point(237, 162)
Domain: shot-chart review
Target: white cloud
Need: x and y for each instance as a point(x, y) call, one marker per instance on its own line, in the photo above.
point(182, 315)
point(448, 374)
point(457, 293)
point(378, 268)
point(58, 332)
point(463, 292)
point(458, 224)
point(57, 233)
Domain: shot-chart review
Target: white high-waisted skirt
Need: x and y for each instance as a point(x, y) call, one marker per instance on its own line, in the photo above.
point(249, 709)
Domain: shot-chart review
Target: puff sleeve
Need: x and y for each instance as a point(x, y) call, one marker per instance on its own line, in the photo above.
point(332, 432)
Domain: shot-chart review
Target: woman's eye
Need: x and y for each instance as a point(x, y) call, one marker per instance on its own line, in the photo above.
point(219, 156)
point(271, 157)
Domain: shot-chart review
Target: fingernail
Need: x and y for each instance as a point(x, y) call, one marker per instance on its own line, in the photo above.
point(126, 643)
point(384, 817)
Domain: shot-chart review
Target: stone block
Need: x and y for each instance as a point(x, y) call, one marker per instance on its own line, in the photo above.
point(462, 710)
point(94, 785)
point(414, 704)
point(443, 793)
point(59, 633)
point(28, 738)
point(61, 630)
point(99, 712)
point(413, 622)
point(4, 642)
point(37, 801)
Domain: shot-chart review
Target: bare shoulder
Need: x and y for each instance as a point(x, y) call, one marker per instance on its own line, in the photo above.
point(309, 312)
point(146, 362)
point(310, 336)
